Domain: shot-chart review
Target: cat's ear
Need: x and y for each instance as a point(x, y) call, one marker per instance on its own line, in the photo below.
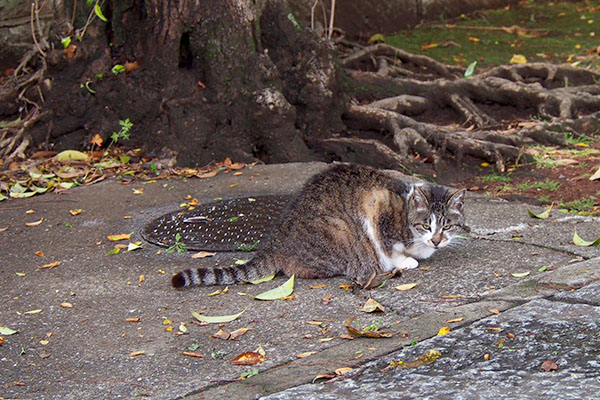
point(418, 199)
point(457, 200)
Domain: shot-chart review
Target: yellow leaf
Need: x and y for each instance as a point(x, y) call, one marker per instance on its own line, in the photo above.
point(326, 339)
point(453, 320)
point(443, 331)
point(70, 155)
point(138, 191)
point(248, 358)
point(346, 286)
point(518, 59)
point(342, 371)
point(318, 286)
point(314, 322)
point(76, 211)
point(137, 353)
point(122, 236)
point(33, 311)
point(578, 241)
point(263, 279)
point(406, 286)
point(494, 311)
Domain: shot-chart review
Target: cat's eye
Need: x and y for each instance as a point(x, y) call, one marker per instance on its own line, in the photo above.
point(426, 227)
point(447, 227)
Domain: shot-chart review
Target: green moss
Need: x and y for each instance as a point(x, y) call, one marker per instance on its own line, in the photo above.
point(571, 30)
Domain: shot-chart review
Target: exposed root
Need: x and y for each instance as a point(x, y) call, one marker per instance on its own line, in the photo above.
point(559, 94)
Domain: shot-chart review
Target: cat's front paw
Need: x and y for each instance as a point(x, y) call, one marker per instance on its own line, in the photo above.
point(403, 262)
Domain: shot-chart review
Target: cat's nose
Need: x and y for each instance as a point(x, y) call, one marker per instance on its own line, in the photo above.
point(436, 240)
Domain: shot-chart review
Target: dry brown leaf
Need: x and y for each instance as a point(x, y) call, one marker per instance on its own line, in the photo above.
point(306, 354)
point(35, 223)
point(137, 353)
point(203, 254)
point(323, 376)
point(364, 333)
point(343, 370)
point(50, 265)
point(248, 358)
point(453, 320)
point(327, 339)
point(494, 311)
point(549, 365)
point(136, 319)
point(3, 229)
point(221, 334)
point(192, 354)
point(131, 66)
point(314, 322)
point(66, 305)
point(70, 51)
point(209, 174)
point(76, 211)
point(39, 253)
point(372, 306)
point(318, 286)
point(346, 286)
point(406, 286)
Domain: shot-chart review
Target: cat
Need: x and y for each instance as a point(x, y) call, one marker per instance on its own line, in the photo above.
point(349, 220)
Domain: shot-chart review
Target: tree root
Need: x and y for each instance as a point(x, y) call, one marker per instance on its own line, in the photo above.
point(559, 94)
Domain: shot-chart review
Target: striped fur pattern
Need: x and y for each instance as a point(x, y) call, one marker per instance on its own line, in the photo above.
point(349, 220)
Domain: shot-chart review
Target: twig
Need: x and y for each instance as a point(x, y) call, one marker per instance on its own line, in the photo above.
point(33, 15)
point(331, 20)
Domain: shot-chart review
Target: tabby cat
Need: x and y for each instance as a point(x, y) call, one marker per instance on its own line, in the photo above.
point(349, 220)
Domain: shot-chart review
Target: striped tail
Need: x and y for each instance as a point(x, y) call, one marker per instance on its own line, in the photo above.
point(251, 271)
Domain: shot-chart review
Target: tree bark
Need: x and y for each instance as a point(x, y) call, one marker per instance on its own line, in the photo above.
point(220, 78)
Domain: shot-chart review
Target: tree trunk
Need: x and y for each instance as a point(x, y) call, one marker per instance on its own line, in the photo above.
point(214, 79)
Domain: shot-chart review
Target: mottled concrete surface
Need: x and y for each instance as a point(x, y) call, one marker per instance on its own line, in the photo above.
point(84, 351)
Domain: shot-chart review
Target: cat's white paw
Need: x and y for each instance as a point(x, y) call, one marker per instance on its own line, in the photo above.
point(403, 262)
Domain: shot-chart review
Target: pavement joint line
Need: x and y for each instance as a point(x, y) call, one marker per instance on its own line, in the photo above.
point(541, 246)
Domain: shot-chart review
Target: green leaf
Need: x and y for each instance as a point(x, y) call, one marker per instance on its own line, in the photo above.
point(542, 269)
point(7, 331)
point(71, 155)
point(542, 215)
point(520, 274)
point(281, 291)
point(3, 197)
point(66, 41)
point(87, 86)
point(217, 319)
point(98, 12)
point(264, 279)
point(470, 69)
point(117, 69)
point(584, 243)
point(116, 250)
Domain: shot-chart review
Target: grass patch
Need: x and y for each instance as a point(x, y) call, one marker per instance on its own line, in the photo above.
point(495, 177)
point(582, 207)
point(548, 184)
point(565, 30)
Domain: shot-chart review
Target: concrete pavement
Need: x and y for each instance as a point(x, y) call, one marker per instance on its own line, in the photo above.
point(108, 326)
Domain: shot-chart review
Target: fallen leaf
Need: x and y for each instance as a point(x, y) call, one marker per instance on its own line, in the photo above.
point(549, 365)
point(443, 331)
point(135, 319)
point(520, 274)
point(76, 211)
point(494, 311)
point(3, 229)
point(134, 246)
point(66, 305)
point(142, 278)
point(208, 174)
point(346, 286)
point(33, 311)
point(7, 331)
point(427, 358)
point(204, 254)
point(137, 353)
point(328, 339)
point(596, 175)
point(406, 286)
point(584, 243)
point(122, 236)
point(263, 279)
point(542, 215)
point(323, 376)
point(217, 319)
point(39, 253)
point(50, 265)
point(343, 370)
point(221, 334)
point(248, 358)
point(306, 354)
point(318, 286)
point(372, 306)
point(518, 59)
point(277, 293)
point(364, 333)
point(314, 322)
point(453, 320)
point(70, 155)
point(138, 191)
point(192, 354)
point(131, 66)
point(237, 333)
point(35, 223)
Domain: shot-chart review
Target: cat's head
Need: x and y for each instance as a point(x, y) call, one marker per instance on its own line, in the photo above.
point(435, 215)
